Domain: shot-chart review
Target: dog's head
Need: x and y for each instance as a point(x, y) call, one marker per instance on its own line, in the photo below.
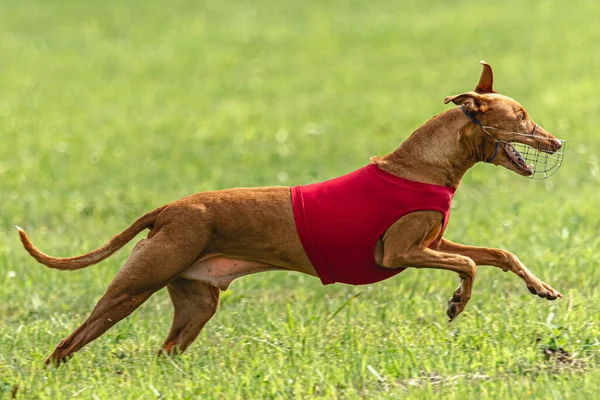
point(504, 126)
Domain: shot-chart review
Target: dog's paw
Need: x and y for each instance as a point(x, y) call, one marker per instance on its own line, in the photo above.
point(543, 290)
point(455, 305)
point(533, 283)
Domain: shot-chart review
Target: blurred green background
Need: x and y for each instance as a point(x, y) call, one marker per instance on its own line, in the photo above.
point(109, 109)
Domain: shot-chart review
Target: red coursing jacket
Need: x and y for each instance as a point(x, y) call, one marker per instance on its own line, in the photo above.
point(340, 221)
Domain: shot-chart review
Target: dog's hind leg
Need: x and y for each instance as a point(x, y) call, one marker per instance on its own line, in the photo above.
point(195, 303)
point(152, 265)
point(195, 296)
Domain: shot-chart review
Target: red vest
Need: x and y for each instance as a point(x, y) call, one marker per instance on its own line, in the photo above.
point(340, 221)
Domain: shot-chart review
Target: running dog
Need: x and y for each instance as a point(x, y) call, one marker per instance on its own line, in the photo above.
point(360, 228)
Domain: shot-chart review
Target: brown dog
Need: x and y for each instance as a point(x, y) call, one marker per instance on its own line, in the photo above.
point(199, 244)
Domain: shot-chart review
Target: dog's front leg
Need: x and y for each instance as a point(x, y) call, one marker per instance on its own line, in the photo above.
point(406, 244)
point(504, 260)
point(423, 257)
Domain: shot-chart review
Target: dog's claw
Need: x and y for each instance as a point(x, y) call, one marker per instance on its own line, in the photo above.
point(531, 290)
point(55, 362)
point(451, 310)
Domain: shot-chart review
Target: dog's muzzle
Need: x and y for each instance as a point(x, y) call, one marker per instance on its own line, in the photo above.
point(541, 162)
point(544, 161)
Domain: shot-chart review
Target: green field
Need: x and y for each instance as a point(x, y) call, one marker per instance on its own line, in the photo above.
point(109, 109)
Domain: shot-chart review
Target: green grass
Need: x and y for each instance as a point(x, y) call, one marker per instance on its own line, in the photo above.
point(109, 109)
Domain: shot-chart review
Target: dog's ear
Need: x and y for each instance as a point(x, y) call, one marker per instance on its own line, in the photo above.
point(486, 81)
point(471, 101)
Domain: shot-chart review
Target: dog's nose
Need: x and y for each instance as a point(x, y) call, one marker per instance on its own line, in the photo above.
point(557, 144)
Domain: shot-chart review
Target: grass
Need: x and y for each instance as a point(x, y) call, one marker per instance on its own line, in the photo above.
point(109, 109)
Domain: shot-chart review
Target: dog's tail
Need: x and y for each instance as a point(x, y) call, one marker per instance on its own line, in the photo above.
point(93, 257)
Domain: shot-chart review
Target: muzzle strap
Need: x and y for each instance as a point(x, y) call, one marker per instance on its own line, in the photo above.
point(475, 121)
point(495, 153)
point(470, 116)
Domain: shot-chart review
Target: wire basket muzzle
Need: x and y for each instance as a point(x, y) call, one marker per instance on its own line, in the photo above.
point(542, 161)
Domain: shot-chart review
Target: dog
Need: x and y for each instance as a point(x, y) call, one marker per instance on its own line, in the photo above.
point(360, 228)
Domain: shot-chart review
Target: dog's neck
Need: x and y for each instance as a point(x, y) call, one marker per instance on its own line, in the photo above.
point(439, 152)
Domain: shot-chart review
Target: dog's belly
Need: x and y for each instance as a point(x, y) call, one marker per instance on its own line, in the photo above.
point(221, 271)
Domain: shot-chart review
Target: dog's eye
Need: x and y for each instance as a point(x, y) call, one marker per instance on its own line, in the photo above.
point(522, 116)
